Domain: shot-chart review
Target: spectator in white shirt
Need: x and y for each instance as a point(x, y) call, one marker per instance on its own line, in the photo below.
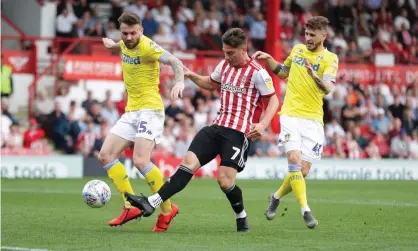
point(65, 22)
point(162, 15)
point(402, 20)
point(138, 8)
point(339, 41)
point(5, 123)
point(112, 32)
point(334, 128)
point(211, 21)
point(165, 40)
point(184, 13)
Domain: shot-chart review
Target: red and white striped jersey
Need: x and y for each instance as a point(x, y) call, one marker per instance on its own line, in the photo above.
point(240, 90)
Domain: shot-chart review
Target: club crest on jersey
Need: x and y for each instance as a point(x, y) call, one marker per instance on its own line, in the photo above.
point(155, 46)
point(129, 60)
point(319, 58)
point(244, 79)
point(300, 51)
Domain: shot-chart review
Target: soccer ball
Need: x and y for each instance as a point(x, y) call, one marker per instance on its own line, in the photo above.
point(96, 193)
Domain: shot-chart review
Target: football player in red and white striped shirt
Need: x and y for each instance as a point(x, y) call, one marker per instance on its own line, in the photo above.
point(242, 82)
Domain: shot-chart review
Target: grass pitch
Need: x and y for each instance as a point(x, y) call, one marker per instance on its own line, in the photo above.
point(352, 215)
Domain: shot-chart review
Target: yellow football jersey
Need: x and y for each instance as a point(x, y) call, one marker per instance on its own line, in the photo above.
point(141, 74)
point(303, 96)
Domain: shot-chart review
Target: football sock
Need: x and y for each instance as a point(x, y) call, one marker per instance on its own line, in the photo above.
point(117, 173)
point(155, 181)
point(284, 189)
point(177, 182)
point(234, 195)
point(297, 182)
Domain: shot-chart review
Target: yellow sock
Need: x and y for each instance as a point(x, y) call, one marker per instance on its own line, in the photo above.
point(285, 188)
point(117, 173)
point(155, 181)
point(297, 182)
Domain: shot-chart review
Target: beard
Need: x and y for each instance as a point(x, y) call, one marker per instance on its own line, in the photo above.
point(314, 46)
point(132, 44)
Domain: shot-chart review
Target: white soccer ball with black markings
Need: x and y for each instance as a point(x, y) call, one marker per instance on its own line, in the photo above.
point(96, 193)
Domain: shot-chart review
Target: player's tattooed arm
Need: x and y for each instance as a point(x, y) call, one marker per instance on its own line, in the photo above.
point(326, 84)
point(280, 70)
point(177, 66)
point(203, 82)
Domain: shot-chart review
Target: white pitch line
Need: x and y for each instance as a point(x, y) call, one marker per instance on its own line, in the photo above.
point(323, 201)
point(21, 248)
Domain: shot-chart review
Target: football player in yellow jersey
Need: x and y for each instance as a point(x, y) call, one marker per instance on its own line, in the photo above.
point(311, 71)
point(143, 121)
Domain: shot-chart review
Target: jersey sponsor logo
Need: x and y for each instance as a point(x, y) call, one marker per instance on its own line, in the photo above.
point(301, 61)
point(235, 89)
point(129, 60)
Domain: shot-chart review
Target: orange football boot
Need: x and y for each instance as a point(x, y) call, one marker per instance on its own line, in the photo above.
point(163, 221)
point(127, 214)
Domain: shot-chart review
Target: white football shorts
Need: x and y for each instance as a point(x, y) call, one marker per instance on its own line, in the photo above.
point(301, 134)
point(145, 123)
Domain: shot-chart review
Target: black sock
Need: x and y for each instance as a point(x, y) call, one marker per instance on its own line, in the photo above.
point(234, 195)
point(176, 183)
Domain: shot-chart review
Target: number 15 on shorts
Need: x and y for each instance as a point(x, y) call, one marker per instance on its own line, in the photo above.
point(142, 128)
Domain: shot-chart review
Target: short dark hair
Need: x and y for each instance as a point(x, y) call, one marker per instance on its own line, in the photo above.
point(129, 18)
point(234, 37)
point(317, 23)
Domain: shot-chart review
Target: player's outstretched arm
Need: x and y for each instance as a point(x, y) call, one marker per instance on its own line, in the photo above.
point(274, 66)
point(110, 44)
point(177, 66)
point(203, 82)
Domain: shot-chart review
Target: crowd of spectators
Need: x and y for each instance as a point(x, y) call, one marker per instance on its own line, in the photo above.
point(361, 121)
point(358, 28)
